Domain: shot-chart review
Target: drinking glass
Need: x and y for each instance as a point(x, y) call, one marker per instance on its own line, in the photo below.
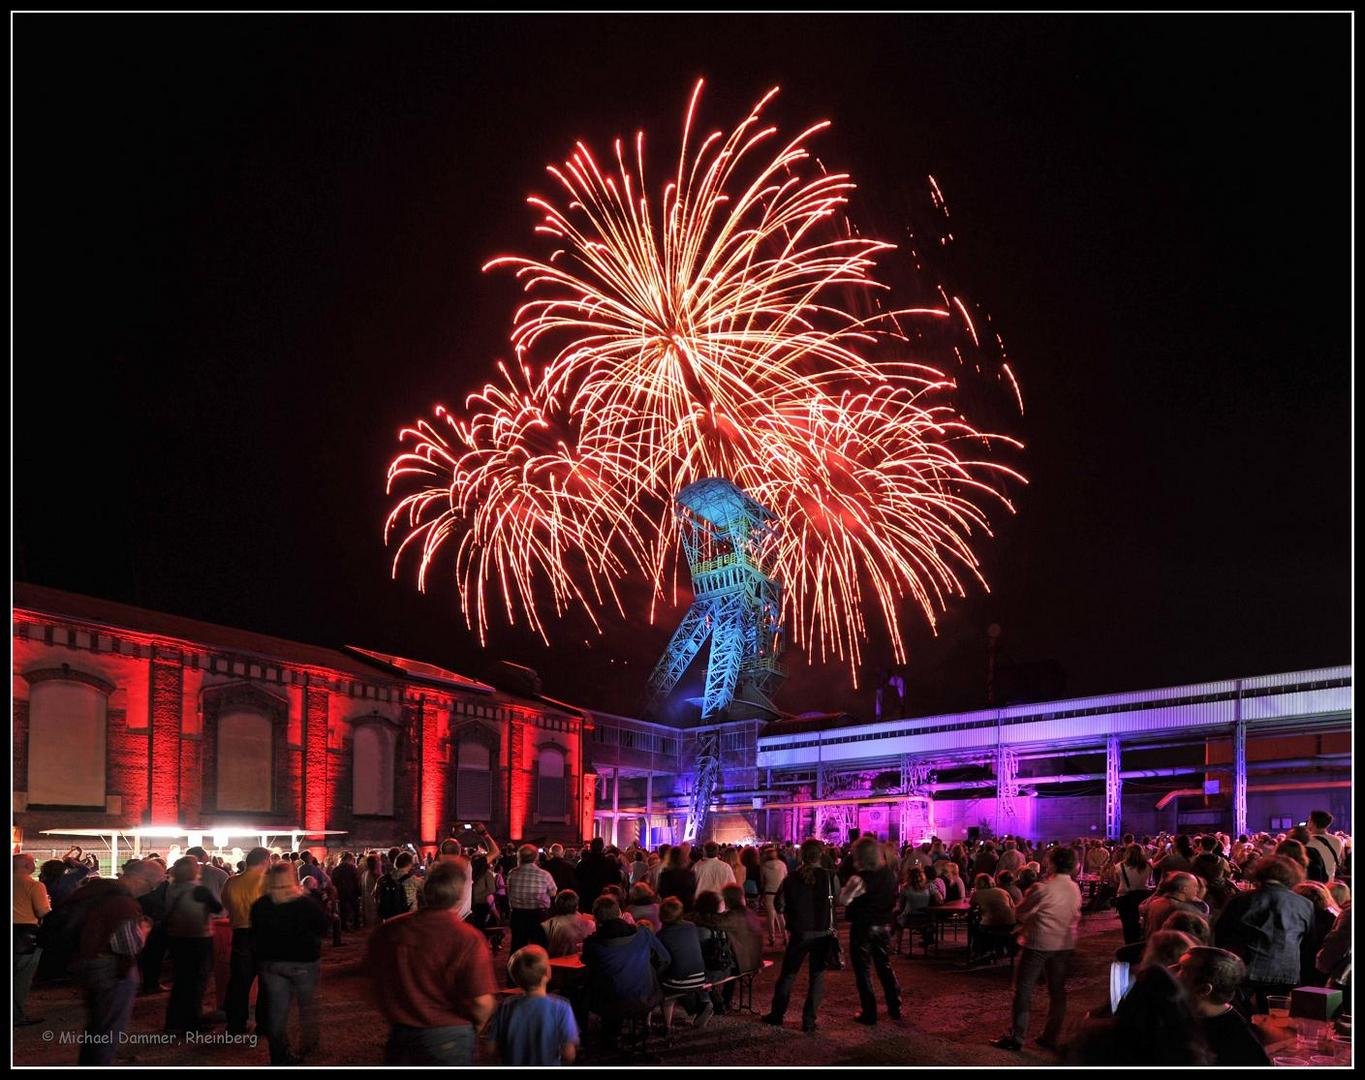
point(1278, 1005)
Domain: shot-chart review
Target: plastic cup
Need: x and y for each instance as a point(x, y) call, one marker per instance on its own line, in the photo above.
point(1277, 1005)
point(1322, 1060)
point(1287, 1061)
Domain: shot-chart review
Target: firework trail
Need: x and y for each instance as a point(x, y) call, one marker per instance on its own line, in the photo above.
point(707, 332)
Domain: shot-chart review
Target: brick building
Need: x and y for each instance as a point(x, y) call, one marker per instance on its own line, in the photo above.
point(128, 718)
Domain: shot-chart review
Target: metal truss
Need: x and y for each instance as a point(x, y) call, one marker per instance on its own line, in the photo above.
point(728, 539)
point(1113, 789)
point(1006, 780)
point(704, 784)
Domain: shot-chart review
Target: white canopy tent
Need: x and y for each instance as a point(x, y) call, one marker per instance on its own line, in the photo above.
point(215, 838)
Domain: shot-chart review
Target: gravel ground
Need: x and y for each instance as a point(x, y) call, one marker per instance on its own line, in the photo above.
point(950, 1016)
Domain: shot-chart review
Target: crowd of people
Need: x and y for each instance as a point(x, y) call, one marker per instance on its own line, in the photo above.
point(1212, 926)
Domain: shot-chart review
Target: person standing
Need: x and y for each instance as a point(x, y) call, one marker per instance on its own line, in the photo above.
point(1011, 859)
point(772, 871)
point(30, 905)
point(288, 925)
point(190, 907)
point(537, 1027)
point(111, 937)
point(211, 877)
point(1266, 928)
point(559, 868)
point(1132, 886)
point(529, 893)
point(346, 882)
point(869, 898)
point(711, 872)
point(369, 879)
point(1327, 846)
point(1048, 919)
point(239, 896)
point(432, 976)
point(595, 871)
point(677, 878)
point(808, 900)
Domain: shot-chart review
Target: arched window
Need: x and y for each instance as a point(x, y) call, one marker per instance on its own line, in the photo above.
point(245, 762)
point(372, 770)
point(473, 781)
point(66, 739)
point(551, 789)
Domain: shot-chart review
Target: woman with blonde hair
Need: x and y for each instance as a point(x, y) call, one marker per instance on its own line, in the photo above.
point(288, 924)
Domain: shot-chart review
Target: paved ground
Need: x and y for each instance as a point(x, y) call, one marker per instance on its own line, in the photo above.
point(951, 1015)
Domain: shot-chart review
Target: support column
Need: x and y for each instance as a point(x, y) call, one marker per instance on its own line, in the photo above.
point(1239, 767)
point(164, 705)
point(649, 810)
point(615, 807)
point(315, 780)
point(588, 807)
point(1113, 789)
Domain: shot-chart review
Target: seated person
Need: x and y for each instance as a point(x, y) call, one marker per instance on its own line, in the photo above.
point(685, 974)
point(1007, 881)
point(620, 961)
point(1178, 891)
point(617, 893)
point(745, 930)
point(716, 949)
point(1187, 922)
point(643, 905)
point(1154, 1024)
point(995, 913)
point(566, 929)
point(1213, 977)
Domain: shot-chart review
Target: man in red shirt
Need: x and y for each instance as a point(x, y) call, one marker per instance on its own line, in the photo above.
point(433, 976)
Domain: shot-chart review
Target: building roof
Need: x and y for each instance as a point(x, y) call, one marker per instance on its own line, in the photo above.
point(115, 616)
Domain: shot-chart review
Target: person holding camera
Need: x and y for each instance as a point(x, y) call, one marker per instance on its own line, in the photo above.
point(870, 900)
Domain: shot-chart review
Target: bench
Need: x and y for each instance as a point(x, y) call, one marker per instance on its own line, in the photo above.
point(745, 979)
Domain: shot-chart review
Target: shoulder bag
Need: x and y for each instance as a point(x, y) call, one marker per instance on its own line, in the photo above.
point(834, 953)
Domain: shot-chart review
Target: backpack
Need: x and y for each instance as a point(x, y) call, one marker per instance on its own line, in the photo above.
point(59, 934)
point(392, 898)
point(715, 951)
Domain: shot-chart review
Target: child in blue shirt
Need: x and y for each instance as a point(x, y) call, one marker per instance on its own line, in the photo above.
point(536, 1028)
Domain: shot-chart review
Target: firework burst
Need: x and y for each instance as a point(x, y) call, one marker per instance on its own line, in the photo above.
point(708, 332)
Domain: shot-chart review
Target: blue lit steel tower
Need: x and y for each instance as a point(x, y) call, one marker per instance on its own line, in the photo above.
point(727, 538)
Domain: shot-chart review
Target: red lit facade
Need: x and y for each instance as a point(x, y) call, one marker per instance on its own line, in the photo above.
point(125, 717)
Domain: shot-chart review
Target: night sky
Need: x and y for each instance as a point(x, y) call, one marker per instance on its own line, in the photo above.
point(247, 250)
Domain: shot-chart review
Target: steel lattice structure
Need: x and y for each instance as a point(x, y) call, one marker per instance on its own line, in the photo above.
point(727, 538)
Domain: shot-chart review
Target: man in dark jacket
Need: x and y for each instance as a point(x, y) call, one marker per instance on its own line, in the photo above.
point(560, 868)
point(808, 895)
point(346, 882)
point(594, 872)
point(870, 899)
point(620, 959)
